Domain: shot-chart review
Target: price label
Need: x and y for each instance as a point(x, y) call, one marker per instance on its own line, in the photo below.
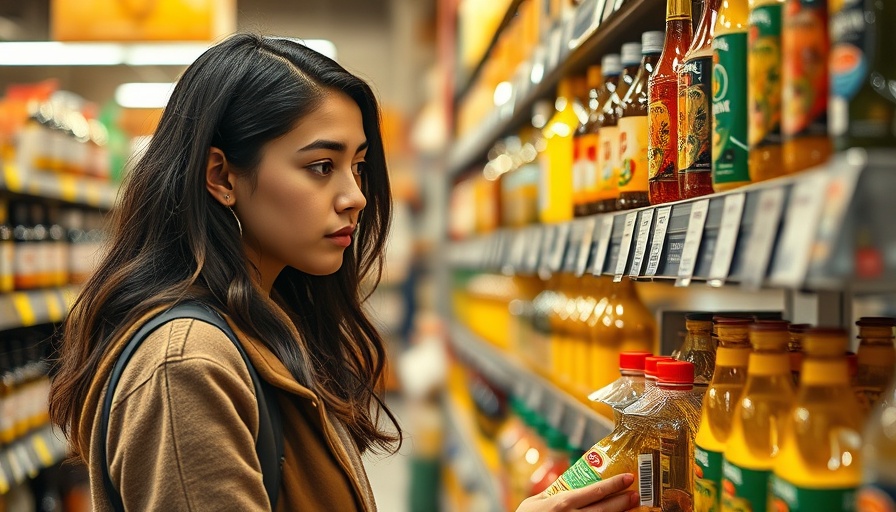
point(605, 225)
point(12, 178)
point(577, 430)
point(598, 14)
point(554, 48)
point(558, 250)
point(574, 247)
point(585, 248)
point(21, 301)
point(839, 192)
point(692, 241)
point(584, 19)
point(732, 211)
point(547, 250)
point(555, 412)
point(659, 239)
point(762, 236)
point(533, 246)
point(539, 62)
point(641, 242)
point(626, 246)
point(800, 227)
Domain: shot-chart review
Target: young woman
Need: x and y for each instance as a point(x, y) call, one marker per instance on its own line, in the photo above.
point(264, 196)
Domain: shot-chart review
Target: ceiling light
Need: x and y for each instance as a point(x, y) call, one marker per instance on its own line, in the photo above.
point(144, 95)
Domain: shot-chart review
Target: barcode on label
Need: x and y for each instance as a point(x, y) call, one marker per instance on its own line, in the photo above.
point(645, 479)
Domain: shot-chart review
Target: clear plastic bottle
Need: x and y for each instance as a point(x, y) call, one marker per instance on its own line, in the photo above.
point(698, 347)
point(628, 388)
point(795, 349)
point(753, 442)
point(876, 360)
point(818, 467)
point(718, 412)
point(878, 493)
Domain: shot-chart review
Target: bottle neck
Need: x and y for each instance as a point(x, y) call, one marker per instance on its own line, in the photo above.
point(824, 372)
point(678, 10)
point(769, 364)
point(675, 387)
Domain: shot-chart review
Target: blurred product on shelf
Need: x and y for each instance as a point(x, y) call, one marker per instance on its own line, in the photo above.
point(608, 136)
point(730, 153)
point(719, 405)
point(695, 109)
point(555, 186)
point(879, 457)
point(819, 463)
point(663, 122)
point(666, 457)
point(24, 384)
point(698, 347)
point(795, 349)
point(524, 458)
point(633, 131)
point(482, 302)
point(555, 462)
point(863, 110)
point(628, 388)
point(805, 46)
point(519, 186)
point(7, 252)
point(876, 360)
point(764, 89)
point(585, 147)
point(753, 441)
point(630, 58)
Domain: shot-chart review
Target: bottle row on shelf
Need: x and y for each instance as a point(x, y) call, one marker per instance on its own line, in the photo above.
point(24, 382)
point(748, 414)
point(743, 98)
point(43, 246)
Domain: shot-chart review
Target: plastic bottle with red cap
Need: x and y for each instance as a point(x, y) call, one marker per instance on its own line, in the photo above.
point(625, 390)
point(666, 457)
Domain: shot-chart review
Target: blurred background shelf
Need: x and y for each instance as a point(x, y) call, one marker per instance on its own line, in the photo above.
point(27, 308)
point(26, 457)
point(78, 190)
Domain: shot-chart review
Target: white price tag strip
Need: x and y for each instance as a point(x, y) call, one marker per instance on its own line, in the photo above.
point(800, 227)
point(732, 211)
point(626, 246)
point(692, 241)
point(641, 242)
point(561, 240)
point(573, 246)
point(547, 250)
point(533, 246)
point(762, 236)
point(555, 48)
point(659, 240)
point(603, 244)
point(585, 248)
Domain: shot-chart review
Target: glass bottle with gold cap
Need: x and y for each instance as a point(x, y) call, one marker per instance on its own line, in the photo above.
point(753, 442)
point(819, 464)
point(723, 394)
point(698, 348)
point(876, 358)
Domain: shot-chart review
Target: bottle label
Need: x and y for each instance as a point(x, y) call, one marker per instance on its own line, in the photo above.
point(7, 267)
point(649, 478)
point(805, 91)
point(877, 498)
point(633, 148)
point(584, 472)
point(590, 174)
point(729, 109)
point(695, 120)
point(607, 162)
point(662, 123)
point(544, 184)
point(764, 86)
point(786, 496)
point(849, 62)
point(744, 489)
point(707, 479)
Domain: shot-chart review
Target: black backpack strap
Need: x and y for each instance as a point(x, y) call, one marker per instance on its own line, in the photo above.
point(268, 446)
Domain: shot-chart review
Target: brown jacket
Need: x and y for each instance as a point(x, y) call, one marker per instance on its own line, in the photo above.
point(184, 422)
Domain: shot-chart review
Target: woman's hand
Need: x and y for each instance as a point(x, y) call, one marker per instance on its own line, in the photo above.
point(605, 496)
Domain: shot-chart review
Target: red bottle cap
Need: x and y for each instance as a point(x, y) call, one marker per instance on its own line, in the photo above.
point(650, 364)
point(633, 360)
point(675, 372)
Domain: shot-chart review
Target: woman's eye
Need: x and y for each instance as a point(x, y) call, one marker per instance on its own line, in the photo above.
point(359, 168)
point(321, 168)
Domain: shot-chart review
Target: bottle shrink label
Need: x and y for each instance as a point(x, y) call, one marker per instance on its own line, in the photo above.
point(850, 58)
point(707, 480)
point(764, 70)
point(662, 124)
point(877, 498)
point(584, 472)
point(783, 495)
point(587, 165)
point(694, 116)
point(633, 137)
point(744, 489)
point(730, 151)
point(608, 162)
point(806, 87)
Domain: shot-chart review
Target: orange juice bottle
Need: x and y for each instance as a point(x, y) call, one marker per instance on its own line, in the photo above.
point(766, 400)
point(819, 464)
point(764, 60)
point(698, 348)
point(555, 190)
point(585, 149)
point(560, 348)
point(541, 358)
point(806, 47)
point(719, 402)
point(876, 359)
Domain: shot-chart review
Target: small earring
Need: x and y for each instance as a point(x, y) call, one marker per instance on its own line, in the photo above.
point(227, 197)
point(239, 224)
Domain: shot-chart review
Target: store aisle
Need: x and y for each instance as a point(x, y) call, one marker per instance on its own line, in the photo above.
point(389, 474)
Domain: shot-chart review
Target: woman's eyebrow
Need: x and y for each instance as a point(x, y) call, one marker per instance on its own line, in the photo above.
point(332, 145)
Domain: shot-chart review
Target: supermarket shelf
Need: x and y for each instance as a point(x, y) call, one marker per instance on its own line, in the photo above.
point(464, 88)
point(580, 424)
point(25, 458)
point(570, 49)
point(27, 308)
point(829, 228)
point(70, 189)
point(469, 466)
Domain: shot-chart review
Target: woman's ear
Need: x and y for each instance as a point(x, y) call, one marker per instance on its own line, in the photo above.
point(219, 180)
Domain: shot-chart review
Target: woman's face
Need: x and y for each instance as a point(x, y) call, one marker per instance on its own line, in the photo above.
point(306, 198)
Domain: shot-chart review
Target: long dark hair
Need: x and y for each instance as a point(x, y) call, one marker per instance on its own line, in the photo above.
point(170, 240)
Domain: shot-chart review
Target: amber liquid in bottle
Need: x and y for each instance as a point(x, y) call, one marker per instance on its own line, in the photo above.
point(695, 109)
point(662, 122)
point(764, 89)
point(608, 138)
